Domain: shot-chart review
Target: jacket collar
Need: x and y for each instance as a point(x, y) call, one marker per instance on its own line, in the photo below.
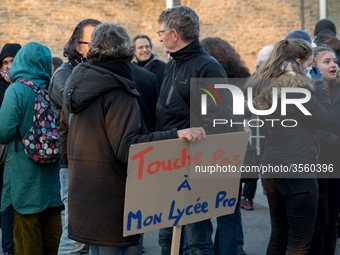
point(188, 52)
point(118, 68)
point(144, 63)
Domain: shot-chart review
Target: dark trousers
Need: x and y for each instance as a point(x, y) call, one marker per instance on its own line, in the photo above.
point(38, 233)
point(249, 190)
point(7, 219)
point(293, 207)
point(325, 232)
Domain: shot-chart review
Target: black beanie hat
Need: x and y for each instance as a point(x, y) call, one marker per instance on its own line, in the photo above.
point(324, 24)
point(9, 50)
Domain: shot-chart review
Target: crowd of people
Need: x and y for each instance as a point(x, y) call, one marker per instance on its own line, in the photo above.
point(114, 92)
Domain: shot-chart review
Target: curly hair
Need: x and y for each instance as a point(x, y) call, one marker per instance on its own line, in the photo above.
point(226, 55)
point(110, 43)
point(70, 47)
point(183, 19)
point(142, 37)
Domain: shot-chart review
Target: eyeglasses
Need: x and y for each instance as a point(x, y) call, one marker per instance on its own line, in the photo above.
point(89, 43)
point(147, 47)
point(160, 33)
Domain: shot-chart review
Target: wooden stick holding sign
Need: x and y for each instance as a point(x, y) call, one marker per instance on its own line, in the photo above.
point(176, 240)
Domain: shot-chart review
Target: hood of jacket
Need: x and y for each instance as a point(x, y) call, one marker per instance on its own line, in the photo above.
point(263, 100)
point(87, 82)
point(33, 62)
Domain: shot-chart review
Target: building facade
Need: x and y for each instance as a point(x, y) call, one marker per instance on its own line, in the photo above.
point(248, 25)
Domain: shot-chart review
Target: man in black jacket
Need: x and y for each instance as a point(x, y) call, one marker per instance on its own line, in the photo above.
point(75, 50)
point(179, 32)
point(146, 85)
point(147, 60)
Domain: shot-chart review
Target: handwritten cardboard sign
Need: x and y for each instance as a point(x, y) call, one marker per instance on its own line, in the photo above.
point(161, 191)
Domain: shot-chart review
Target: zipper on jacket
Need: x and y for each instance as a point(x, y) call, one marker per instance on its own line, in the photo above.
point(170, 95)
point(174, 83)
point(165, 99)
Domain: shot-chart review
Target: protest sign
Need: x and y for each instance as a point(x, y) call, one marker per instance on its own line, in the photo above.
point(160, 189)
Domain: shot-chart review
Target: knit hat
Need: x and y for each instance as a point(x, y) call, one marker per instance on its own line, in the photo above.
point(9, 50)
point(299, 34)
point(324, 24)
point(264, 54)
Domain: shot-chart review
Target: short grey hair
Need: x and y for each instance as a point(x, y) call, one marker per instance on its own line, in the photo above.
point(110, 43)
point(183, 19)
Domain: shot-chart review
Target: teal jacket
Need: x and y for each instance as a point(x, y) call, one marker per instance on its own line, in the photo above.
point(30, 187)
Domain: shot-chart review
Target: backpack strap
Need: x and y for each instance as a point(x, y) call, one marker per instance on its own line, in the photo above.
point(17, 137)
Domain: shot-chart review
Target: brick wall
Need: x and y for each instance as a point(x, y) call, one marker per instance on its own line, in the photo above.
point(248, 25)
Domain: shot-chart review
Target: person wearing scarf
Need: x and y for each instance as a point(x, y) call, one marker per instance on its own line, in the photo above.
point(7, 55)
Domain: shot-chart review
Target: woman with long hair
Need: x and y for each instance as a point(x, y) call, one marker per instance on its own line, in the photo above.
point(229, 234)
point(325, 233)
point(292, 197)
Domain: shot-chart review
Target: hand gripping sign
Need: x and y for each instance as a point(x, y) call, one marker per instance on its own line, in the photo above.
point(160, 192)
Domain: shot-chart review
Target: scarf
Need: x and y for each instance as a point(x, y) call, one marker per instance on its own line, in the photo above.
point(5, 74)
point(143, 63)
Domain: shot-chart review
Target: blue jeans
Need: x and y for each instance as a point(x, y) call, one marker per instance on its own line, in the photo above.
point(227, 233)
point(103, 250)
point(293, 206)
point(226, 239)
point(198, 235)
point(67, 246)
point(240, 236)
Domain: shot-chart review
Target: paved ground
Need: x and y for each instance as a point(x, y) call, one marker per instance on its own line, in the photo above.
point(256, 228)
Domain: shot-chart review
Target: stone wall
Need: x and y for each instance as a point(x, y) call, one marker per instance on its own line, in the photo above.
point(52, 22)
point(248, 25)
